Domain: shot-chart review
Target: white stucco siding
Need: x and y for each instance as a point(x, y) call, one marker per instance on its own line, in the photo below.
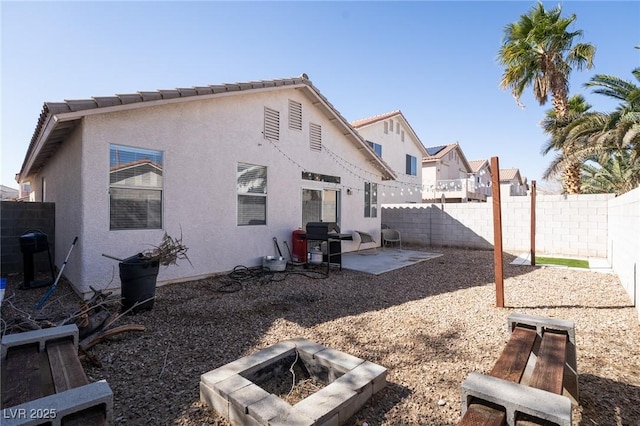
point(202, 142)
point(407, 188)
point(62, 178)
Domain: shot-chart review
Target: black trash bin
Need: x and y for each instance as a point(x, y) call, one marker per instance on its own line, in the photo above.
point(138, 282)
point(32, 242)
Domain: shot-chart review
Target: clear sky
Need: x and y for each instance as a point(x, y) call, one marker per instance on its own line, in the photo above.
point(434, 61)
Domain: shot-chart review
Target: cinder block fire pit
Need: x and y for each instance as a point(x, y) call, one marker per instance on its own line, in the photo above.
point(242, 391)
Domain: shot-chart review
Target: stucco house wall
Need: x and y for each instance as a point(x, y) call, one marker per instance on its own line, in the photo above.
point(60, 181)
point(202, 141)
point(399, 141)
point(624, 243)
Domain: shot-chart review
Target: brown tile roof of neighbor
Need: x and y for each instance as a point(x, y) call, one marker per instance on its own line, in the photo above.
point(58, 119)
point(436, 152)
point(439, 152)
point(374, 119)
point(509, 175)
point(478, 164)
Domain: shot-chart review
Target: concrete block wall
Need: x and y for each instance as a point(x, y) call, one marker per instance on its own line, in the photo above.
point(574, 225)
point(412, 220)
point(17, 217)
point(624, 241)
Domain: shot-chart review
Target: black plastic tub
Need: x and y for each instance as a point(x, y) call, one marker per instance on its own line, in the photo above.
point(138, 283)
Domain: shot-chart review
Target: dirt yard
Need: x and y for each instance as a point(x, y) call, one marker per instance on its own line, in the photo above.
point(429, 324)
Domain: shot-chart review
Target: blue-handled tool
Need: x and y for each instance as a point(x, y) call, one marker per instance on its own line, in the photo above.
point(55, 283)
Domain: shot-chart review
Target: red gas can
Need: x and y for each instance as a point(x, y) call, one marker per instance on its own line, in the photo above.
point(299, 246)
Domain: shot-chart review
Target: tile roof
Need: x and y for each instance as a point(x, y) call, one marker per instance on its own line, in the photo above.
point(58, 119)
point(434, 150)
point(476, 165)
point(509, 175)
point(374, 119)
point(437, 152)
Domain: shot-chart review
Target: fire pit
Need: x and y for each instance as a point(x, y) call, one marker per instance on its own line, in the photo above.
point(237, 390)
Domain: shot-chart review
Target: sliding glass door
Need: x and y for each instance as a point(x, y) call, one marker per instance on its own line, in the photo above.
point(320, 205)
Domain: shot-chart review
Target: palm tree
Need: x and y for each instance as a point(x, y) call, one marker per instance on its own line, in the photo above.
point(621, 129)
point(617, 175)
point(605, 138)
point(562, 134)
point(539, 51)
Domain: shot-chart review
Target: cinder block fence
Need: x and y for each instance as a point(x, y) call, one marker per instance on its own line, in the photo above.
point(16, 218)
point(565, 224)
point(598, 225)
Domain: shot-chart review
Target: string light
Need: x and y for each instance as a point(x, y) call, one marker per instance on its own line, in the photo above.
point(357, 172)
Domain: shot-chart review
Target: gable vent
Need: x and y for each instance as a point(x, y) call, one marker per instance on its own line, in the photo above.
point(315, 137)
point(271, 124)
point(295, 115)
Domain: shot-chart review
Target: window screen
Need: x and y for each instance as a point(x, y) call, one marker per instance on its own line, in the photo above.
point(135, 188)
point(252, 194)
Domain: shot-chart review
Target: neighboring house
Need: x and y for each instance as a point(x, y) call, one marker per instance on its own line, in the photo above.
point(7, 193)
point(447, 176)
point(511, 183)
point(481, 173)
point(227, 167)
point(391, 137)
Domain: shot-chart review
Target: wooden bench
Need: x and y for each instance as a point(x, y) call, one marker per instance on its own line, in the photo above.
point(534, 380)
point(43, 382)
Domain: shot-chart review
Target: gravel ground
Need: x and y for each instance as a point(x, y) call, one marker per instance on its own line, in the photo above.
point(429, 324)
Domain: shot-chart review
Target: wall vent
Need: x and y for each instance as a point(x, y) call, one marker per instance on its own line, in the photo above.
point(295, 115)
point(271, 124)
point(315, 137)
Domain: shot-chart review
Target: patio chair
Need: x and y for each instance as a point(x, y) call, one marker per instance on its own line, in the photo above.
point(365, 238)
point(391, 236)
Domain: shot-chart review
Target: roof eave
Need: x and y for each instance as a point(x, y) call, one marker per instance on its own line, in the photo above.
point(50, 121)
point(349, 132)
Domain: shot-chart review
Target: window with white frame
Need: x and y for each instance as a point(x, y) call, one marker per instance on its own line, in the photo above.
point(412, 165)
point(252, 194)
point(370, 199)
point(135, 188)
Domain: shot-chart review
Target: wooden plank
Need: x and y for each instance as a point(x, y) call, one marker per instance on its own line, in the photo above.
point(548, 373)
point(513, 359)
point(481, 415)
point(66, 369)
point(25, 375)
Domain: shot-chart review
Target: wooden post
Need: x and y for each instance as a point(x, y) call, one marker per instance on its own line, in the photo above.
point(533, 223)
point(497, 232)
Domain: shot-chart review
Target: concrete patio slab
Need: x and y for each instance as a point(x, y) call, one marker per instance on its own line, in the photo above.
point(384, 260)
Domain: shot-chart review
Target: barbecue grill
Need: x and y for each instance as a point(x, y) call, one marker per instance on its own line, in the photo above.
point(329, 233)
